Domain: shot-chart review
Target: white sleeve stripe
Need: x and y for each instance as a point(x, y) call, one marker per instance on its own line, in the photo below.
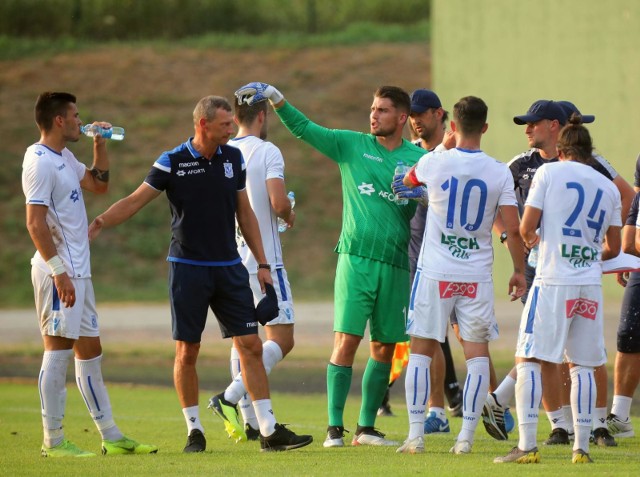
point(161, 167)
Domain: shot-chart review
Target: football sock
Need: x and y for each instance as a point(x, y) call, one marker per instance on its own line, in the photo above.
point(374, 384)
point(53, 394)
point(417, 385)
point(621, 406)
point(245, 405)
point(599, 417)
point(94, 392)
point(583, 401)
point(528, 398)
point(338, 384)
point(476, 387)
point(568, 417)
point(271, 354)
point(505, 391)
point(192, 418)
point(266, 418)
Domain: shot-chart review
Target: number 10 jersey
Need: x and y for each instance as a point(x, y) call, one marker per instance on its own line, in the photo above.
point(465, 190)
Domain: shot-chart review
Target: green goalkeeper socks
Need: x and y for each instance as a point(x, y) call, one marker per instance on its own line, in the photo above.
point(374, 385)
point(338, 384)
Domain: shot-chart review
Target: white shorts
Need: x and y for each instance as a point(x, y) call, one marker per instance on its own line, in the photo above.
point(56, 320)
point(563, 321)
point(432, 302)
point(283, 290)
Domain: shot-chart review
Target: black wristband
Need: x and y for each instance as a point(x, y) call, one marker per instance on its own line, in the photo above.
point(264, 265)
point(503, 237)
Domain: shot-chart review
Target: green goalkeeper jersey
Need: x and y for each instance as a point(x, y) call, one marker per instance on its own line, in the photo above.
point(373, 224)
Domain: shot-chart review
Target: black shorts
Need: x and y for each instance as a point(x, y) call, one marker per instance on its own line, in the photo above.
point(193, 289)
point(629, 328)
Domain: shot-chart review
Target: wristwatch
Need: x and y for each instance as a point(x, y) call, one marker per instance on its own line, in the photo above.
point(264, 265)
point(503, 236)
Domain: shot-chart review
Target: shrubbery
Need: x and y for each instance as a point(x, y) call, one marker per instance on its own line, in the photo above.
point(172, 19)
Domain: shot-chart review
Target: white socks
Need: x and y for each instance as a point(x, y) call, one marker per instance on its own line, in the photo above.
point(94, 393)
point(245, 405)
point(621, 407)
point(192, 418)
point(528, 398)
point(583, 401)
point(53, 394)
point(267, 420)
point(505, 391)
point(476, 387)
point(271, 355)
point(417, 385)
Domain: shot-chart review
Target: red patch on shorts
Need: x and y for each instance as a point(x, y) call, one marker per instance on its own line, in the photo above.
point(451, 289)
point(586, 308)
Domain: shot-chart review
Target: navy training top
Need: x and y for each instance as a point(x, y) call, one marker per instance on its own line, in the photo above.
point(203, 198)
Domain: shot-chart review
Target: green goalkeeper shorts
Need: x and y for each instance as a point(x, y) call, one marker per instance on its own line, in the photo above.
point(373, 291)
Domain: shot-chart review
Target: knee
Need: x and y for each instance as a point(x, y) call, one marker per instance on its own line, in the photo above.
point(186, 353)
point(249, 346)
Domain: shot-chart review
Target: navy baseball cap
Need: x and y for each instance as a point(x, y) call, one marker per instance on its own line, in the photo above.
point(267, 308)
point(423, 99)
point(570, 108)
point(543, 109)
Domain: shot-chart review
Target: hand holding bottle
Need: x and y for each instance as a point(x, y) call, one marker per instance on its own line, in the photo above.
point(105, 130)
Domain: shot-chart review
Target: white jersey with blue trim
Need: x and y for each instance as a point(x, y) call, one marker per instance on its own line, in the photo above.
point(52, 179)
point(578, 205)
point(465, 189)
point(263, 161)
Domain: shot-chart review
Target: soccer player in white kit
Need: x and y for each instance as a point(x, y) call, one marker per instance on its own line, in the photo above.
point(578, 210)
point(53, 181)
point(466, 189)
point(268, 197)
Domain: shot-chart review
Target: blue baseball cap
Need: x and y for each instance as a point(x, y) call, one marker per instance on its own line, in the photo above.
point(267, 308)
point(543, 109)
point(423, 99)
point(570, 108)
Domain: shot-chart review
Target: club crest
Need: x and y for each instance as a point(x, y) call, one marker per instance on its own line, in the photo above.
point(228, 170)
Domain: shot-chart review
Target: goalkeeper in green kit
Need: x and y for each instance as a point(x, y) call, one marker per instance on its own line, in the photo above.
point(372, 276)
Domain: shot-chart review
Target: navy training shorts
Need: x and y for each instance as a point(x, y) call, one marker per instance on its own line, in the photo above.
point(193, 289)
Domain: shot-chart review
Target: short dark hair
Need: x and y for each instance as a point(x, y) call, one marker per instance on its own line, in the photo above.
point(470, 115)
point(49, 105)
point(575, 141)
point(208, 106)
point(399, 97)
point(246, 113)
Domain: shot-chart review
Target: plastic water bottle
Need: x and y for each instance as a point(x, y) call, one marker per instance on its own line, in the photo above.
point(401, 168)
point(115, 133)
point(282, 224)
point(532, 259)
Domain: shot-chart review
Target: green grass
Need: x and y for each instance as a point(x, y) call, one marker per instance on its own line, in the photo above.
point(152, 415)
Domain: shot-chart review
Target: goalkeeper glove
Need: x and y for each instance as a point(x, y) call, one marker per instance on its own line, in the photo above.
point(403, 192)
point(255, 92)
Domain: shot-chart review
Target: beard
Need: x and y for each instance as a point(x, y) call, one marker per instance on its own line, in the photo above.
point(382, 131)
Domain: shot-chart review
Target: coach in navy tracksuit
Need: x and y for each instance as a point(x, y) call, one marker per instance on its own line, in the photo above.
point(204, 180)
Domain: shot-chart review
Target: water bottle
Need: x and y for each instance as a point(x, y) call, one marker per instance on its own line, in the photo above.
point(282, 224)
point(532, 260)
point(401, 169)
point(114, 132)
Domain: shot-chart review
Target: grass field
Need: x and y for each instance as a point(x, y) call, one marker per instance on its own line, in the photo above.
point(152, 415)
